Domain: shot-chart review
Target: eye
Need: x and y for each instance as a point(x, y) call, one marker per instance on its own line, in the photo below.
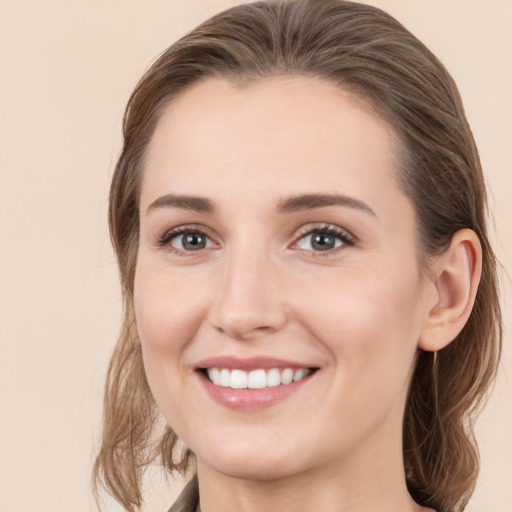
point(319, 242)
point(185, 239)
point(324, 239)
point(190, 241)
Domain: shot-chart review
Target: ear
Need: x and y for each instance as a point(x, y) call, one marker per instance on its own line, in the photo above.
point(454, 276)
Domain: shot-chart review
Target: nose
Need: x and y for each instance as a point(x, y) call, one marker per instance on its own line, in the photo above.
point(249, 302)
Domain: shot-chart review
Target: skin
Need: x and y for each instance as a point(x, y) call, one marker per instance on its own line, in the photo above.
point(358, 312)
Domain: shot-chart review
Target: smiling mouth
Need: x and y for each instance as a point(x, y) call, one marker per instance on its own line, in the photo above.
point(255, 379)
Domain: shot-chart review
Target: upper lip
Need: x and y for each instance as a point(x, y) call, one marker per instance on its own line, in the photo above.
point(250, 363)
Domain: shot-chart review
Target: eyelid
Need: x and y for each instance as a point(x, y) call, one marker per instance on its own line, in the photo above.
point(347, 238)
point(164, 240)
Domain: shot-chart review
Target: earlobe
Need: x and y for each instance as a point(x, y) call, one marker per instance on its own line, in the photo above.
point(455, 278)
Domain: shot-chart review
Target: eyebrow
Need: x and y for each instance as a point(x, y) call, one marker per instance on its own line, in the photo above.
point(312, 201)
point(289, 205)
point(196, 204)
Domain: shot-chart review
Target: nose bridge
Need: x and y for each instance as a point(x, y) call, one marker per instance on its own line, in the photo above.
point(249, 301)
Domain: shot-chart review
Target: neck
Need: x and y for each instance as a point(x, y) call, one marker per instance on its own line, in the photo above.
point(373, 481)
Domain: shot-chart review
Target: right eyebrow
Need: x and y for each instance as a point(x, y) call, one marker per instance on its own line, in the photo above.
point(313, 201)
point(196, 204)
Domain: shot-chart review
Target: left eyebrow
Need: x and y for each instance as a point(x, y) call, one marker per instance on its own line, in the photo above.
point(312, 201)
point(196, 204)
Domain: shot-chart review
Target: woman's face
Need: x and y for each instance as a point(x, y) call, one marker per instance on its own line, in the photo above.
point(275, 243)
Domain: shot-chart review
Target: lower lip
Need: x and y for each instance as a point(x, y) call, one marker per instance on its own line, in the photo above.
point(251, 399)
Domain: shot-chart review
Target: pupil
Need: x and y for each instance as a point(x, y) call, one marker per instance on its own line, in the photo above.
point(322, 242)
point(194, 241)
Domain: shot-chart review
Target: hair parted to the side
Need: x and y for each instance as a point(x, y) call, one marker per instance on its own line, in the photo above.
point(368, 53)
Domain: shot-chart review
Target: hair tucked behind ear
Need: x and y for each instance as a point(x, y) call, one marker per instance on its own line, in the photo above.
point(368, 53)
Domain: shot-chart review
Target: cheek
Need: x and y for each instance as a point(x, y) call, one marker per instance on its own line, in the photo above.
point(168, 308)
point(363, 317)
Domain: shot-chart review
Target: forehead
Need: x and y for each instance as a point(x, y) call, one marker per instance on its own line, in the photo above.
point(280, 134)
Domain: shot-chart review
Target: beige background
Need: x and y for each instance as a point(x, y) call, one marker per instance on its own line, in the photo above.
point(66, 70)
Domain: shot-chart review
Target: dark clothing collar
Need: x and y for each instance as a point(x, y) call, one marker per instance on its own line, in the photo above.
point(189, 498)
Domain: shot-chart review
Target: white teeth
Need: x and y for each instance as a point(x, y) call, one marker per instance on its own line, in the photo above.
point(225, 378)
point(299, 374)
point(287, 376)
point(273, 378)
point(256, 379)
point(238, 379)
point(214, 375)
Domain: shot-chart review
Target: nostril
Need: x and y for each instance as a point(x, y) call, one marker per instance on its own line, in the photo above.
point(246, 327)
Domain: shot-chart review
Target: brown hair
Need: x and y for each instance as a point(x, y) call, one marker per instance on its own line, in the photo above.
point(367, 52)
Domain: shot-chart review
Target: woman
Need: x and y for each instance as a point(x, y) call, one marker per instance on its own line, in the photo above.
point(311, 302)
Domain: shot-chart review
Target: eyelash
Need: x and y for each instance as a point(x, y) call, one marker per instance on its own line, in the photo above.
point(346, 238)
point(168, 236)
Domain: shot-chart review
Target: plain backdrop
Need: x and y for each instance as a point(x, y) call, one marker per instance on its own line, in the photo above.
point(66, 71)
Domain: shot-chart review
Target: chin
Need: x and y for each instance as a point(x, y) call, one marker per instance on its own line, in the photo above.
point(256, 471)
point(252, 464)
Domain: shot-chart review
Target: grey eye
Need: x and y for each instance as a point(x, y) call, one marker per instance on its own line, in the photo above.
point(318, 241)
point(190, 241)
